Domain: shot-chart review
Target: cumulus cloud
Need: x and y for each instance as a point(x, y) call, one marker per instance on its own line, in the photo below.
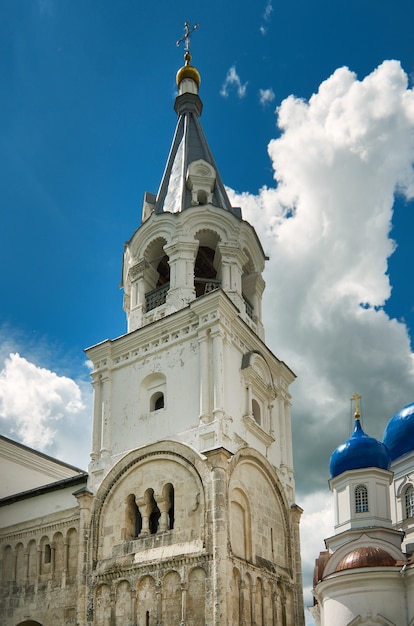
point(231, 82)
point(340, 160)
point(45, 411)
point(266, 96)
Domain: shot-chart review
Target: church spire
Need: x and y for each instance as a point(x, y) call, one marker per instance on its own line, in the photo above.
point(191, 177)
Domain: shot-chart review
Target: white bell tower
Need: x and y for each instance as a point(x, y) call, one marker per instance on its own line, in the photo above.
point(191, 463)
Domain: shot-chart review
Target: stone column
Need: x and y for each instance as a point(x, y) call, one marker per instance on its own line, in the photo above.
point(182, 254)
point(85, 499)
point(218, 461)
point(183, 604)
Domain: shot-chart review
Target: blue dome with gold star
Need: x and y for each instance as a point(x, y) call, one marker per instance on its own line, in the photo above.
point(399, 433)
point(358, 452)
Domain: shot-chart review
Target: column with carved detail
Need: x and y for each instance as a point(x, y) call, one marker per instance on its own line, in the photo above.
point(183, 604)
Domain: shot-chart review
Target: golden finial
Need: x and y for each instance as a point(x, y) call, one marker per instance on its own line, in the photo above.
point(188, 70)
point(355, 399)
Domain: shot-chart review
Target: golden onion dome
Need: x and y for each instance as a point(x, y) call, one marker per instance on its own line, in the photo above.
point(188, 71)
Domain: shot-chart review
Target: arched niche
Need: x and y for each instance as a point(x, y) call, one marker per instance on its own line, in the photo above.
point(240, 526)
point(153, 391)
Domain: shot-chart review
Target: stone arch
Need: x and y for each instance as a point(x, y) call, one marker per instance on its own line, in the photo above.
point(147, 608)
point(21, 568)
point(152, 512)
point(29, 622)
point(72, 551)
point(133, 474)
point(247, 601)
point(171, 598)
point(32, 561)
point(240, 527)
point(45, 555)
point(235, 592)
point(102, 606)
point(167, 514)
point(196, 598)
point(270, 511)
point(123, 606)
point(7, 563)
point(259, 603)
point(59, 552)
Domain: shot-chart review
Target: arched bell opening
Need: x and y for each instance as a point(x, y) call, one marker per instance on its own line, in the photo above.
point(157, 276)
point(207, 271)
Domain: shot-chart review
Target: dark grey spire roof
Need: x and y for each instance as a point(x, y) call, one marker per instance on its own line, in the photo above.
point(189, 145)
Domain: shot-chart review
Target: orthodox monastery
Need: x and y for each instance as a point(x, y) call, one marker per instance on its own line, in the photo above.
point(366, 575)
point(187, 514)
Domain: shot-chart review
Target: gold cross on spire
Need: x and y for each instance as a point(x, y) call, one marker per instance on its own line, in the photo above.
point(355, 399)
point(187, 34)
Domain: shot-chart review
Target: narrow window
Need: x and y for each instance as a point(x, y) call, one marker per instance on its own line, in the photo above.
point(133, 518)
point(409, 501)
point(154, 512)
point(48, 553)
point(147, 616)
point(256, 411)
point(168, 493)
point(157, 401)
point(361, 499)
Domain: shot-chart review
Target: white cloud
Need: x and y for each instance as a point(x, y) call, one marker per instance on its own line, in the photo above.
point(266, 96)
point(266, 16)
point(45, 411)
point(233, 81)
point(341, 158)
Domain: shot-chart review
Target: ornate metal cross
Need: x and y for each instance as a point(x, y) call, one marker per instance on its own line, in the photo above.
point(187, 34)
point(355, 399)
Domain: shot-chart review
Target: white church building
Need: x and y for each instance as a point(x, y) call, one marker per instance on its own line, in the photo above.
point(187, 514)
point(366, 574)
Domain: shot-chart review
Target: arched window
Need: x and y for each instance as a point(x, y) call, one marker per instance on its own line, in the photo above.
point(361, 499)
point(153, 511)
point(168, 493)
point(47, 553)
point(157, 401)
point(409, 501)
point(256, 411)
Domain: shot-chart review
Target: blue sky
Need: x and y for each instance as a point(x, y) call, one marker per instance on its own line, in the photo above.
point(86, 123)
